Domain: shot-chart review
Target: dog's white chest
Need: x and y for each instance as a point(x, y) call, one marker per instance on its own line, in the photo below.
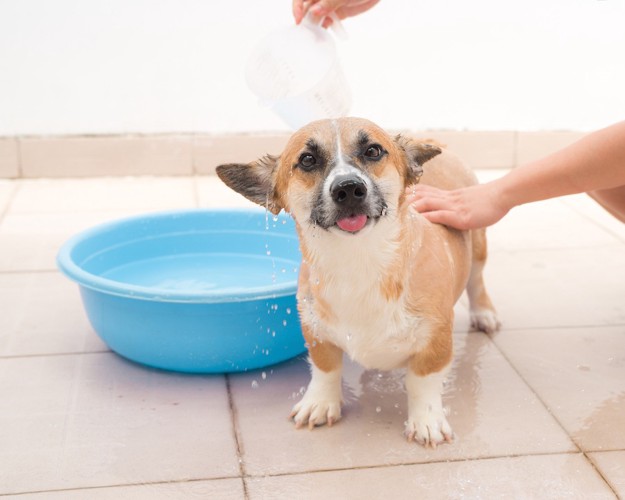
point(373, 331)
point(347, 277)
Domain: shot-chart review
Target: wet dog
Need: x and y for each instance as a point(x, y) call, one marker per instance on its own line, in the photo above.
point(377, 281)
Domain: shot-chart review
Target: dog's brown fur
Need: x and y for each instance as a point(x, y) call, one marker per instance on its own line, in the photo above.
point(398, 273)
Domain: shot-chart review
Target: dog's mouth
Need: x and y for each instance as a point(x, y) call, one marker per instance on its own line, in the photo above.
point(353, 223)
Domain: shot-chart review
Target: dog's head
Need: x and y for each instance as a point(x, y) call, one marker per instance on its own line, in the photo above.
point(341, 175)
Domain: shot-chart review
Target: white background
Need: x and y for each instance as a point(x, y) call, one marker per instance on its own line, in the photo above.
point(159, 66)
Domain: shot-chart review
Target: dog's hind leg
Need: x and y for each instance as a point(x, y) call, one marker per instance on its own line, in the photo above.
point(483, 315)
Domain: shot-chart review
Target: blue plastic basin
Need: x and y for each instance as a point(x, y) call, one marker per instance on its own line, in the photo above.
point(201, 291)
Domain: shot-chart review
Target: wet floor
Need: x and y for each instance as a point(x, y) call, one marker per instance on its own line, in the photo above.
point(538, 409)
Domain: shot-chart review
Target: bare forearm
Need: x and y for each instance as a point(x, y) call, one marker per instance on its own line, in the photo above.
point(597, 161)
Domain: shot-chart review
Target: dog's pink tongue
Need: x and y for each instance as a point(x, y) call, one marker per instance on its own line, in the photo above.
point(352, 224)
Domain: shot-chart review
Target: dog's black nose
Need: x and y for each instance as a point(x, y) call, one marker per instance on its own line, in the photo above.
point(348, 190)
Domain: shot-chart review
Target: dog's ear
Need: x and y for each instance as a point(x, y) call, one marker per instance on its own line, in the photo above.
point(418, 152)
point(255, 181)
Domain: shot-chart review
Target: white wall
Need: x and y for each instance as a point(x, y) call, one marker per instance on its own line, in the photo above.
point(151, 66)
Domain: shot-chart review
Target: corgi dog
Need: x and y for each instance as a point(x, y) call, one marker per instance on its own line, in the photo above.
point(378, 281)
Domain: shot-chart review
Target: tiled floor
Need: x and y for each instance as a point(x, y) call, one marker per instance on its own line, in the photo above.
point(538, 409)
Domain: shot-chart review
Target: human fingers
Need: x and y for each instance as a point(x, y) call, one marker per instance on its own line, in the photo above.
point(430, 204)
point(447, 218)
point(422, 191)
point(324, 8)
point(299, 10)
point(354, 8)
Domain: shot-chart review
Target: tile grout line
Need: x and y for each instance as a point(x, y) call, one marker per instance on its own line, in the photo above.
point(598, 471)
point(20, 161)
point(527, 384)
point(236, 435)
point(409, 464)
point(304, 472)
point(54, 354)
point(120, 485)
point(556, 419)
point(593, 221)
point(12, 195)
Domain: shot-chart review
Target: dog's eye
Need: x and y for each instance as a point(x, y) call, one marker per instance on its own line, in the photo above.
point(307, 161)
point(373, 152)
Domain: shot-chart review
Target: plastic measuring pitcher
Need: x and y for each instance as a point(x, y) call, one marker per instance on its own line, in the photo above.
point(297, 73)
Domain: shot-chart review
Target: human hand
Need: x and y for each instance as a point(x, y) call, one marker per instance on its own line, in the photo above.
point(323, 9)
point(466, 208)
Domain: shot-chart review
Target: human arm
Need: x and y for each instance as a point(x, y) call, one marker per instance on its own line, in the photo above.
point(323, 9)
point(595, 162)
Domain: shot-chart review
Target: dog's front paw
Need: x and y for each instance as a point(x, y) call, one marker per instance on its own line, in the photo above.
point(429, 429)
point(485, 320)
point(315, 410)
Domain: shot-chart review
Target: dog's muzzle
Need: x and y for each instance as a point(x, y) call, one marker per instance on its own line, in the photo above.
point(348, 191)
point(350, 203)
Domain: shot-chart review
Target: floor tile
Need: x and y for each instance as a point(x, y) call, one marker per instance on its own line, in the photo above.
point(549, 224)
point(212, 192)
point(588, 207)
point(219, 489)
point(103, 194)
point(552, 288)
point(579, 373)
point(485, 175)
point(7, 188)
point(611, 464)
point(551, 476)
point(96, 420)
point(30, 242)
point(491, 410)
point(43, 314)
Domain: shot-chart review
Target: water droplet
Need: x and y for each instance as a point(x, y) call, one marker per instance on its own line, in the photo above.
point(264, 375)
point(378, 409)
point(288, 310)
point(284, 322)
point(254, 384)
point(273, 334)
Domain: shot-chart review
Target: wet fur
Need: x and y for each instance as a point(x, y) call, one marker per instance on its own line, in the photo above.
point(384, 295)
